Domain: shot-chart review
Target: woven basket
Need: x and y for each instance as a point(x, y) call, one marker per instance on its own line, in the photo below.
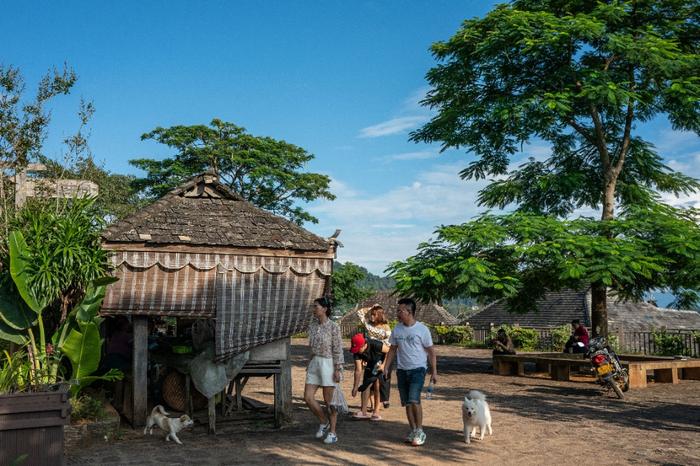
point(174, 393)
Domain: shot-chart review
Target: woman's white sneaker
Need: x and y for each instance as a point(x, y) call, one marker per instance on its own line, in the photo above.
point(330, 438)
point(322, 429)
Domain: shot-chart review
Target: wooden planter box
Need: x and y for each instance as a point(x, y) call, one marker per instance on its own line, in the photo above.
point(32, 424)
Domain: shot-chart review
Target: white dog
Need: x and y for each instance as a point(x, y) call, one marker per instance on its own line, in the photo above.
point(475, 412)
point(159, 417)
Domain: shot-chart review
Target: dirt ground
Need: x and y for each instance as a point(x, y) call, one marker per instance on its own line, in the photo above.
point(535, 421)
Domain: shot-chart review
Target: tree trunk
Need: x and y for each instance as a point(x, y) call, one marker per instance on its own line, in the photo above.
point(599, 292)
point(599, 310)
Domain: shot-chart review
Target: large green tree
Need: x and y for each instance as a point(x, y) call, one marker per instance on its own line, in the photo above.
point(265, 171)
point(579, 75)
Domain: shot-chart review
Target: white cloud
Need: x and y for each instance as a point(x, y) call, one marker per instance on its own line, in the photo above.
point(412, 104)
point(418, 155)
point(380, 229)
point(393, 126)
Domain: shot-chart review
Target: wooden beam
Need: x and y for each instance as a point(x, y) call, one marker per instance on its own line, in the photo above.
point(139, 370)
point(211, 411)
point(203, 249)
point(283, 390)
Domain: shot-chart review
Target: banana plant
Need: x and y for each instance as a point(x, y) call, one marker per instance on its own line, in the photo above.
point(77, 338)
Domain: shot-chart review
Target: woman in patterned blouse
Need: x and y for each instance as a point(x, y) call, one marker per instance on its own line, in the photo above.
point(325, 367)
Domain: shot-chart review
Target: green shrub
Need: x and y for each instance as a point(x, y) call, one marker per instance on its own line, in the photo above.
point(86, 407)
point(454, 334)
point(560, 336)
point(668, 344)
point(525, 339)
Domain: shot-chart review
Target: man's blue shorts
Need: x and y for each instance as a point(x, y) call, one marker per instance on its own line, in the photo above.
point(410, 383)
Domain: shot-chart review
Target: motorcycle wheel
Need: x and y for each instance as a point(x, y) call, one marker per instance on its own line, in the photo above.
point(618, 391)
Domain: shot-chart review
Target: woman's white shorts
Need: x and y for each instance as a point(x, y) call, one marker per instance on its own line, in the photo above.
point(320, 372)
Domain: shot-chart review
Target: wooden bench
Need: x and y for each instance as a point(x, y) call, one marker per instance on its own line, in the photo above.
point(671, 371)
point(559, 366)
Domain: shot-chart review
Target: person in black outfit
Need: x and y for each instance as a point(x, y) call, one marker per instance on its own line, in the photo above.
point(502, 344)
point(369, 368)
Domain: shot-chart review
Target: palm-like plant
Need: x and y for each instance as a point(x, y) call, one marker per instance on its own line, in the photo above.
point(57, 280)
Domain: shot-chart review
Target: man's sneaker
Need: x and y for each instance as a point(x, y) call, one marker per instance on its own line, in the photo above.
point(418, 438)
point(330, 438)
point(322, 429)
point(409, 437)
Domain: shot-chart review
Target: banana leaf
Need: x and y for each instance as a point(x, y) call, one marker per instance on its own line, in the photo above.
point(83, 349)
point(90, 305)
point(18, 271)
point(13, 312)
point(11, 334)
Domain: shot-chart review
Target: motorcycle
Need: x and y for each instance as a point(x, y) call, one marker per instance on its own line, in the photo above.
point(607, 367)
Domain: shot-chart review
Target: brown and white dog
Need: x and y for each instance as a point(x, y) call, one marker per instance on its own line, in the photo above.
point(171, 425)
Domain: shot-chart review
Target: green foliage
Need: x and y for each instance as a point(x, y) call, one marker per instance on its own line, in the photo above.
point(579, 76)
point(14, 372)
point(346, 289)
point(453, 334)
point(526, 339)
point(560, 336)
point(519, 256)
point(87, 407)
point(57, 240)
point(265, 171)
point(669, 344)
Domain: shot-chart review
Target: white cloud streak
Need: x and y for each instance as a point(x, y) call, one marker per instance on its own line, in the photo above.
point(393, 126)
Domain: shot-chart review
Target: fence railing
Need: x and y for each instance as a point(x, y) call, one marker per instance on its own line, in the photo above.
point(641, 342)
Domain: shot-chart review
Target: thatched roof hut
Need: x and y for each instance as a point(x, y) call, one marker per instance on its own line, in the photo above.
point(428, 313)
point(203, 251)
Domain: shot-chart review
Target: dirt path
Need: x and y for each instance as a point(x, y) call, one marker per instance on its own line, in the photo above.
point(535, 421)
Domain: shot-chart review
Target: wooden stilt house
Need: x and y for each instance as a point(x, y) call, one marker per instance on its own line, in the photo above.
point(202, 251)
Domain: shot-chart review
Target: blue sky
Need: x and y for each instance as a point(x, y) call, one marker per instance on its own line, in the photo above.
point(341, 79)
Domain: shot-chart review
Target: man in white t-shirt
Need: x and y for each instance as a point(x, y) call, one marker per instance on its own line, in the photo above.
point(412, 345)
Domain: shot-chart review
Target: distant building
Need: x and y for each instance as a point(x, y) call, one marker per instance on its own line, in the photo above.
point(561, 307)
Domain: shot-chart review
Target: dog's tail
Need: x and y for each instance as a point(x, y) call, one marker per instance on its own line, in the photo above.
point(476, 395)
point(159, 409)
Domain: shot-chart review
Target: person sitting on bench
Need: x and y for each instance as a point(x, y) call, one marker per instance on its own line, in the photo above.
point(502, 344)
point(578, 342)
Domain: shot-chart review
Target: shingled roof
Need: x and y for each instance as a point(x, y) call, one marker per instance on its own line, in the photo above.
point(561, 307)
point(555, 309)
point(430, 313)
point(203, 211)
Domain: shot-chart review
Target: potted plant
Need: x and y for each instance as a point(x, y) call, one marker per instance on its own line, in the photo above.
point(52, 315)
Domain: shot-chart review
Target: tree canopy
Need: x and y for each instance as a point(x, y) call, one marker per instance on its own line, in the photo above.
point(348, 288)
point(265, 171)
point(579, 76)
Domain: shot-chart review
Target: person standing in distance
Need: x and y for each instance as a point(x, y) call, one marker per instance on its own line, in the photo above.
point(412, 345)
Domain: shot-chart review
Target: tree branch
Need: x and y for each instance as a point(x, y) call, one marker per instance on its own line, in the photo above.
point(581, 130)
point(600, 138)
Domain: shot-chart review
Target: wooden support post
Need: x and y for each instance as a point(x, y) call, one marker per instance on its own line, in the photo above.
point(139, 369)
point(283, 390)
point(666, 375)
point(520, 368)
point(188, 396)
point(638, 375)
point(560, 372)
point(239, 389)
point(211, 414)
